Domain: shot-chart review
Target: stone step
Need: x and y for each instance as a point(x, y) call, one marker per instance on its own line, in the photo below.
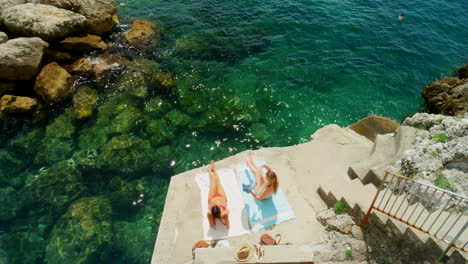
point(353, 199)
point(387, 149)
point(272, 254)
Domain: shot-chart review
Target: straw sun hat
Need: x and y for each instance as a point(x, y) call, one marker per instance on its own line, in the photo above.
point(243, 253)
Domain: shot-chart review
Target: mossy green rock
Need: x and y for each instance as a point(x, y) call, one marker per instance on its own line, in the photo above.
point(192, 102)
point(82, 234)
point(132, 83)
point(126, 154)
point(136, 239)
point(53, 149)
point(177, 119)
point(9, 203)
point(53, 189)
point(143, 65)
point(61, 127)
point(260, 132)
point(9, 167)
point(92, 137)
point(128, 197)
point(22, 247)
point(84, 102)
point(29, 142)
point(86, 158)
point(159, 131)
point(157, 107)
point(126, 121)
point(164, 83)
point(226, 114)
point(164, 157)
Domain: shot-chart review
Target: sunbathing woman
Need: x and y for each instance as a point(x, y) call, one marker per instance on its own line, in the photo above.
point(266, 184)
point(217, 199)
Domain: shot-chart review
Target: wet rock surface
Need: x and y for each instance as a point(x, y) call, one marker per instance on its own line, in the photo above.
point(448, 96)
point(54, 83)
point(83, 43)
point(14, 105)
point(143, 34)
point(20, 58)
point(43, 21)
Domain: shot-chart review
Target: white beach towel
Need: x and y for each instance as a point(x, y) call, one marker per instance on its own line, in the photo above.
point(237, 215)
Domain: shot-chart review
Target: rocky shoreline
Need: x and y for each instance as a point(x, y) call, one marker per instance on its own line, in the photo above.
point(45, 51)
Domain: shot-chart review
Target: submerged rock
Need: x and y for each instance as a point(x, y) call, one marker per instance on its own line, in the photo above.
point(260, 132)
point(86, 158)
point(463, 72)
point(92, 137)
point(54, 83)
point(106, 63)
point(52, 190)
point(44, 21)
point(132, 83)
point(61, 127)
point(82, 234)
point(84, 102)
point(177, 119)
point(164, 83)
point(158, 131)
point(83, 43)
point(9, 204)
point(14, 105)
point(20, 58)
point(29, 142)
point(157, 107)
point(53, 149)
point(448, 96)
point(126, 154)
point(126, 121)
point(143, 34)
point(136, 238)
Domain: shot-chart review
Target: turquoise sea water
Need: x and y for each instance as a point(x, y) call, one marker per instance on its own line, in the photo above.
point(248, 74)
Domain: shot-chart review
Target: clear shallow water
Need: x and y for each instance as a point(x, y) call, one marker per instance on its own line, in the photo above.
point(263, 73)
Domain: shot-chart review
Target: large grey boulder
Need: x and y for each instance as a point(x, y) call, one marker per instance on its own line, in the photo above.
point(44, 21)
point(20, 58)
point(101, 15)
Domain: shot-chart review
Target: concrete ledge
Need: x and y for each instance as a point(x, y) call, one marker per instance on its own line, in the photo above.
point(273, 254)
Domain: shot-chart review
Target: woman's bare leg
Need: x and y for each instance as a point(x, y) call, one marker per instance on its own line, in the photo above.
point(213, 182)
point(254, 168)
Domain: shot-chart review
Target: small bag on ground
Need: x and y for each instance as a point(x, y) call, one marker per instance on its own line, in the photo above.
point(266, 239)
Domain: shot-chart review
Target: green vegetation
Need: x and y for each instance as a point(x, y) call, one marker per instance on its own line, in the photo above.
point(441, 138)
point(349, 254)
point(442, 182)
point(434, 154)
point(339, 208)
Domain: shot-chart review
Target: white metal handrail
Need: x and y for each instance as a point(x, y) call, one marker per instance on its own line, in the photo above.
point(403, 190)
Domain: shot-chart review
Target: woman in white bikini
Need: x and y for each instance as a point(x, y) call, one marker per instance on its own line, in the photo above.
point(266, 184)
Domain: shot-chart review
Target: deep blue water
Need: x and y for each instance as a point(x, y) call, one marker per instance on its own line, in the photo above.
point(248, 74)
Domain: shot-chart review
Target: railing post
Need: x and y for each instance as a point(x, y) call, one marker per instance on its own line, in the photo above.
point(365, 219)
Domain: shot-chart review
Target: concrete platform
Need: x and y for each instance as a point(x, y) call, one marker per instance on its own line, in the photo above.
point(301, 170)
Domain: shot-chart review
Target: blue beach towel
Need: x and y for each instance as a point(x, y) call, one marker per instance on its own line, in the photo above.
point(268, 212)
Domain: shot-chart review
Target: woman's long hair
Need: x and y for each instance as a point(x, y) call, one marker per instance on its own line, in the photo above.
point(272, 180)
point(216, 212)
